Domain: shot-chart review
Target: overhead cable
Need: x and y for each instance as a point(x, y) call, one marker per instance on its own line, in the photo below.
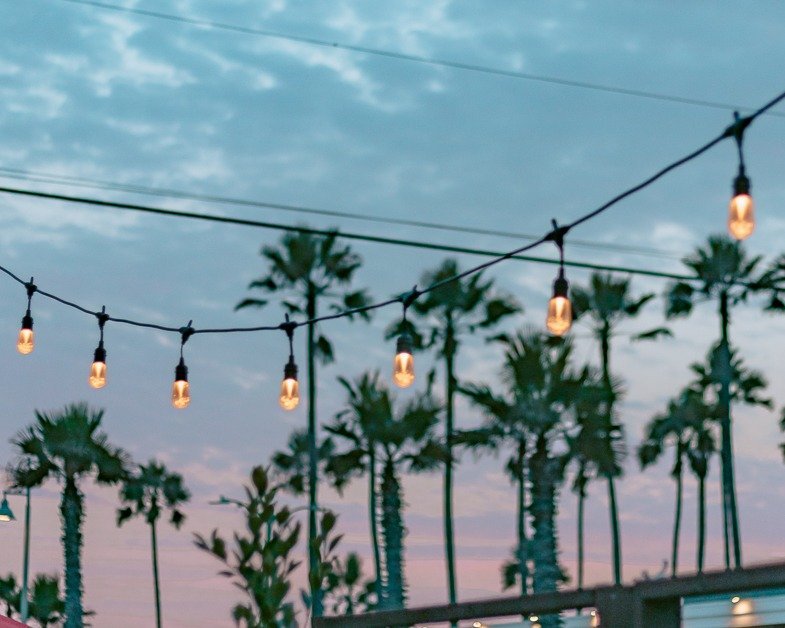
point(40, 177)
point(457, 65)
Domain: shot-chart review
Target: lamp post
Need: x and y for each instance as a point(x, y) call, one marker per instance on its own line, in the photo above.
point(6, 514)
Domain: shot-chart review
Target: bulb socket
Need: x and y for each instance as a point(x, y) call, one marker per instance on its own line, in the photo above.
point(290, 370)
point(181, 372)
point(741, 184)
point(560, 287)
point(27, 321)
point(404, 343)
point(100, 354)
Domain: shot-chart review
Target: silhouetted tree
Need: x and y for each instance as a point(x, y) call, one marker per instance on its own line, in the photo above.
point(68, 446)
point(310, 269)
point(146, 492)
point(607, 302)
point(728, 276)
point(444, 315)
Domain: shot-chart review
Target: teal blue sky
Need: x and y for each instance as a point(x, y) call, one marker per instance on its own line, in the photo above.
point(92, 93)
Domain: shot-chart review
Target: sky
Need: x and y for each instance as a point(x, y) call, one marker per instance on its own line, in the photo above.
point(126, 98)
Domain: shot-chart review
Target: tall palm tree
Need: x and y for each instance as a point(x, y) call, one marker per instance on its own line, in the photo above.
point(532, 415)
point(596, 445)
point(68, 445)
point(607, 302)
point(357, 427)
point(682, 425)
point(407, 442)
point(444, 315)
point(728, 276)
point(146, 492)
point(375, 432)
point(308, 269)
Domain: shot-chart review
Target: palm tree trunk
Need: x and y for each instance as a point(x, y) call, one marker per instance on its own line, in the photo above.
point(156, 580)
point(523, 549)
point(581, 504)
point(373, 517)
point(731, 516)
point(614, 512)
point(544, 478)
point(393, 532)
point(605, 336)
point(313, 558)
point(71, 512)
point(449, 542)
point(701, 522)
point(677, 514)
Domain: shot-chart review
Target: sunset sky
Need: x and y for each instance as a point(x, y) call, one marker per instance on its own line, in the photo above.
point(93, 93)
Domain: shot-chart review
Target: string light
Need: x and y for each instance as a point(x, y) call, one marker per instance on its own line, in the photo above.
point(741, 210)
point(403, 363)
point(97, 377)
point(25, 342)
point(290, 387)
point(559, 317)
point(181, 389)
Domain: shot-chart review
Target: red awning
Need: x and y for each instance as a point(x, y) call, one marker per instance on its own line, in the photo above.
point(10, 623)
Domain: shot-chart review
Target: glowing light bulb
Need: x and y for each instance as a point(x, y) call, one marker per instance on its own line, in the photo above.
point(290, 388)
point(403, 364)
point(97, 377)
point(181, 390)
point(26, 341)
point(741, 216)
point(559, 318)
point(741, 211)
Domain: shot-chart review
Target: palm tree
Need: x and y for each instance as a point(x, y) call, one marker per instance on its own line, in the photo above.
point(357, 426)
point(607, 302)
point(46, 604)
point(728, 276)
point(310, 268)
point(530, 418)
point(596, 445)
point(9, 594)
point(724, 375)
point(291, 465)
point(444, 315)
point(146, 492)
point(404, 440)
point(683, 423)
point(69, 446)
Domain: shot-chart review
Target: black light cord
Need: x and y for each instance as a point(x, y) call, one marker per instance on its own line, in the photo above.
point(557, 234)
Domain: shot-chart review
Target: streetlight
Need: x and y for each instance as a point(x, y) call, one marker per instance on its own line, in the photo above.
point(6, 514)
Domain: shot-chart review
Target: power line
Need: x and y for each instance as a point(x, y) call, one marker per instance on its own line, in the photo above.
point(42, 177)
point(448, 248)
point(556, 235)
point(457, 65)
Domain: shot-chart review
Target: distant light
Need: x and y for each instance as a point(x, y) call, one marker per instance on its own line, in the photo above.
point(534, 618)
point(477, 624)
point(735, 599)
